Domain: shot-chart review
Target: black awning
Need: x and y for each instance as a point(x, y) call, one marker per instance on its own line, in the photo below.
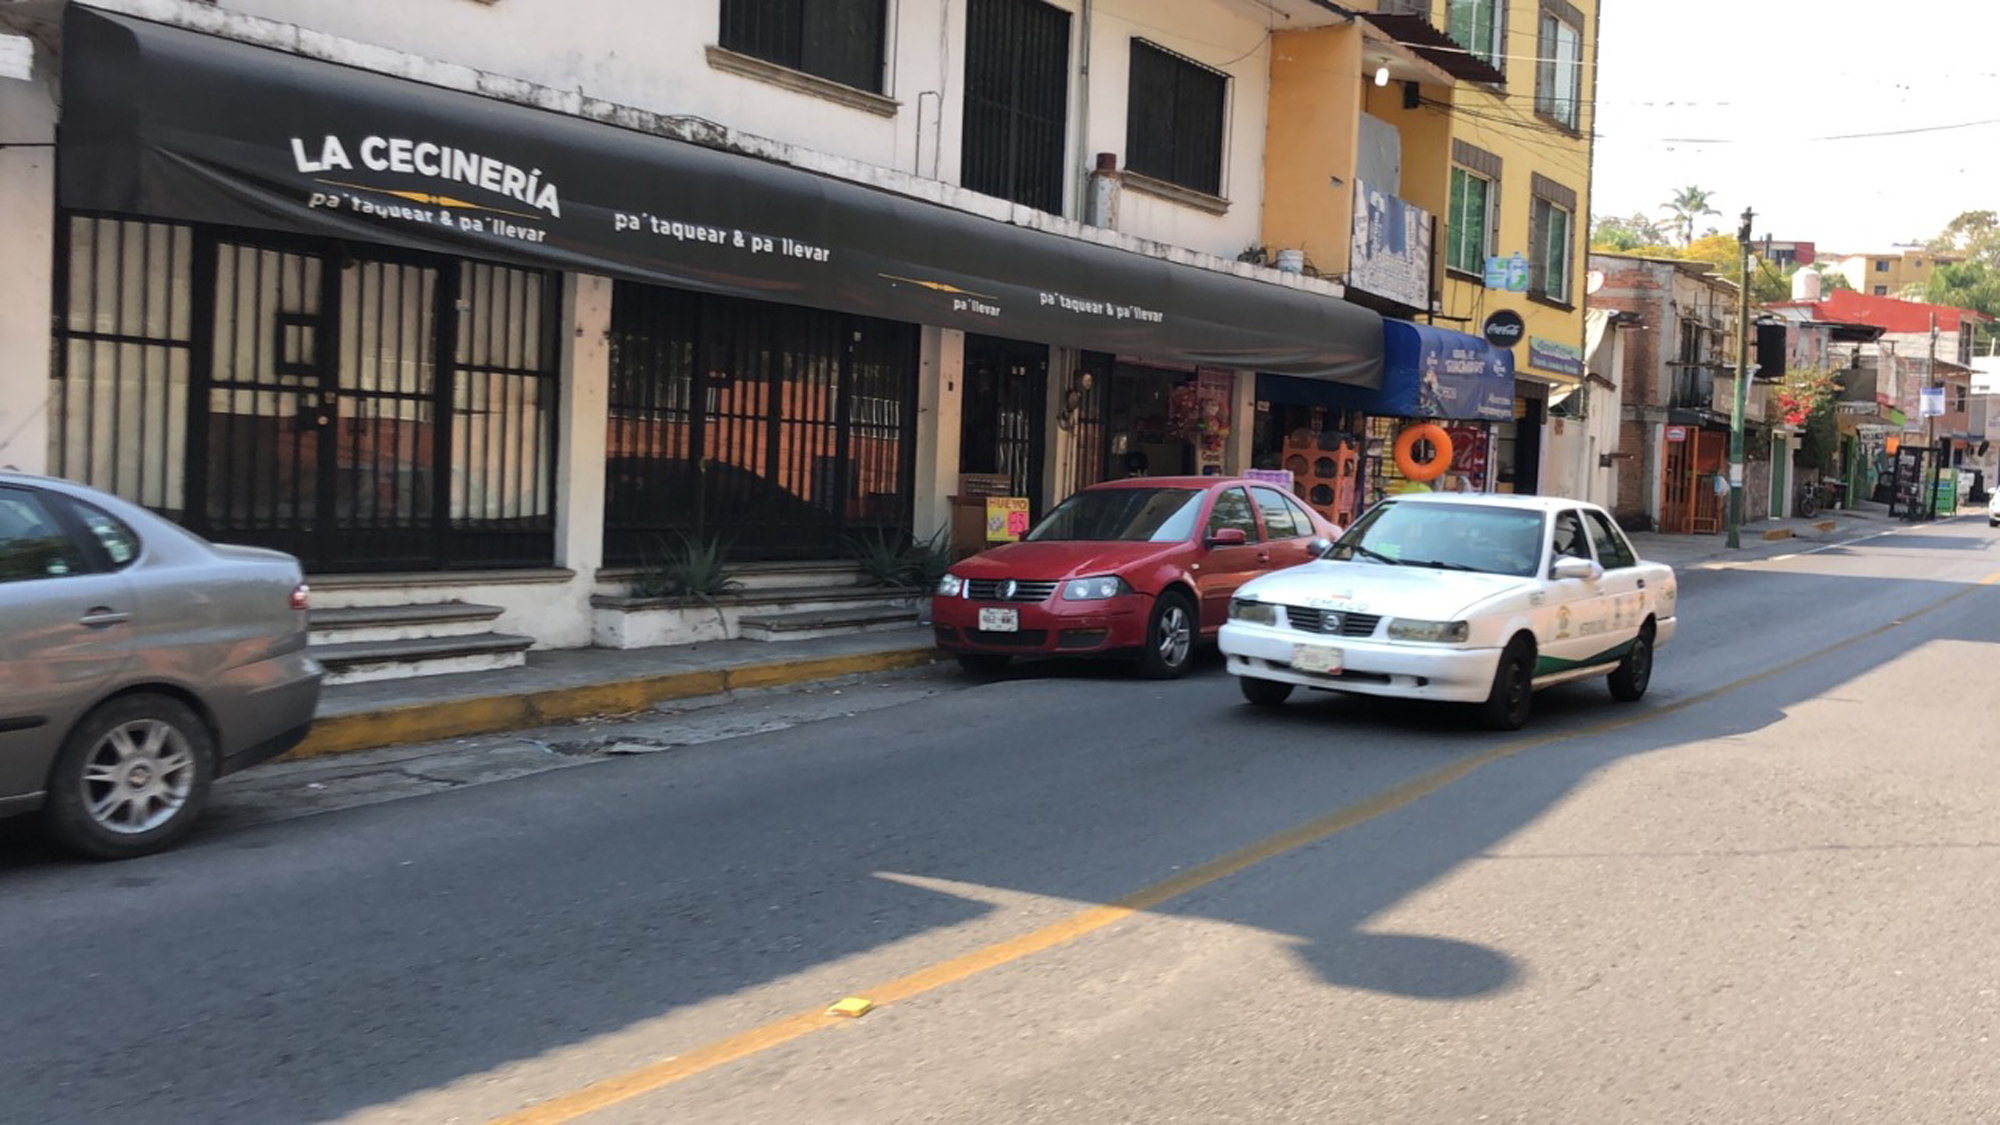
point(169, 123)
point(1435, 47)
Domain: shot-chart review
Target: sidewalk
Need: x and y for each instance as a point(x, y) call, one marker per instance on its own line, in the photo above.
point(563, 685)
point(1766, 538)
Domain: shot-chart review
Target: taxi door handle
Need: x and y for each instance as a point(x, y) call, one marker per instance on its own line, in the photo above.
point(1642, 583)
point(1263, 556)
point(99, 616)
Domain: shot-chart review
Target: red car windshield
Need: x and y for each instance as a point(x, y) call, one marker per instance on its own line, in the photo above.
point(1133, 515)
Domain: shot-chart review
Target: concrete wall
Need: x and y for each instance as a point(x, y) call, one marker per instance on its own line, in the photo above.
point(27, 228)
point(1310, 145)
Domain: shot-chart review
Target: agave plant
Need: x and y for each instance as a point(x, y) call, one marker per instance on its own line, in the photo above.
point(694, 570)
point(894, 559)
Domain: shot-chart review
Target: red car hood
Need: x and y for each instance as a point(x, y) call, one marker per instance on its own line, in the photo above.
point(1056, 560)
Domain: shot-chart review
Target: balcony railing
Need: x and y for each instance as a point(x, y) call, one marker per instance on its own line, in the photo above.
point(1693, 389)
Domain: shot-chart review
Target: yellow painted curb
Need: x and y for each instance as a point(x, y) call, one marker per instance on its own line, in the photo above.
point(1778, 533)
point(457, 718)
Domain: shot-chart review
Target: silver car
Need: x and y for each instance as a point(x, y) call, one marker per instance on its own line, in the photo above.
point(138, 662)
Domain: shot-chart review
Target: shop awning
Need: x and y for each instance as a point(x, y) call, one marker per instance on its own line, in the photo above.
point(173, 124)
point(1427, 372)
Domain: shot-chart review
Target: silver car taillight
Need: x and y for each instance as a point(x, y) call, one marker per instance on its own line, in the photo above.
point(301, 597)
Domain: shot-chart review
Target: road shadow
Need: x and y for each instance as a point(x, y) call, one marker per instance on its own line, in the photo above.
point(362, 957)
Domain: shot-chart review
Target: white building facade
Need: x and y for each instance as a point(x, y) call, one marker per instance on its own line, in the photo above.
point(478, 300)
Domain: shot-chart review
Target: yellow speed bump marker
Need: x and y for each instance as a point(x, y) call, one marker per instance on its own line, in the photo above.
point(854, 1007)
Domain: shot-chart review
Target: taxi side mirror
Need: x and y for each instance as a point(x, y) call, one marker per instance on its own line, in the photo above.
point(1227, 537)
point(1320, 547)
point(1569, 566)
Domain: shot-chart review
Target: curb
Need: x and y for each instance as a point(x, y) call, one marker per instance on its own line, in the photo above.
point(491, 714)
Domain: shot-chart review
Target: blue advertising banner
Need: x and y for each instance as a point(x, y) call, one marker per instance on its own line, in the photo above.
point(1437, 373)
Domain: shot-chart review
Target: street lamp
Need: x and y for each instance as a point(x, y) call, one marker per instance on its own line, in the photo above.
point(1742, 380)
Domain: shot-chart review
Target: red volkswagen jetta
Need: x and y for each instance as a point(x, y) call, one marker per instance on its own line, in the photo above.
point(1141, 567)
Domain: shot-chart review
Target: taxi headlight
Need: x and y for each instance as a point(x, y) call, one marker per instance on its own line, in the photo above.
point(1253, 611)
point(1094, 589)
point(1429, 632)
point(950, 586)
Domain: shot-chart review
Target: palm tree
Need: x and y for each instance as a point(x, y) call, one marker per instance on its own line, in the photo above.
point(1687, 205)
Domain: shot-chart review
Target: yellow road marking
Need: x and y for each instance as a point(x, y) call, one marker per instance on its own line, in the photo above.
point(666, 1072)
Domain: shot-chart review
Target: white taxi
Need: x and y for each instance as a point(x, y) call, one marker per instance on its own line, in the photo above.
point(1461, 598)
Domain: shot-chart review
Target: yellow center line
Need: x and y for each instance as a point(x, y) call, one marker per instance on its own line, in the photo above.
point(656, 1076)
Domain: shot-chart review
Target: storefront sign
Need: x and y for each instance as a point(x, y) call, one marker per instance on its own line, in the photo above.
point(1504, 328)
point(1931, 404)
point(1280, 477)
point(1549, 355)
point(1677, 434)
point(1433, 372)
point(1006, 518)
point(1507, 274)
point(168, 123)
point(1391, 255)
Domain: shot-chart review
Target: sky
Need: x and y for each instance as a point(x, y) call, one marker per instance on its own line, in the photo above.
point(1774, 131)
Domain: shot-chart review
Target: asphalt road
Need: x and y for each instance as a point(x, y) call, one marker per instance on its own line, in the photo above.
point(1765, 894)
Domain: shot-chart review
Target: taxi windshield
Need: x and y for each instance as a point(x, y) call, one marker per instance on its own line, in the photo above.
point(1471, 537)
point(1132, 515)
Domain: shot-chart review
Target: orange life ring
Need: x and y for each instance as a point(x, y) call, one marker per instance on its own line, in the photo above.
point(1406, 444)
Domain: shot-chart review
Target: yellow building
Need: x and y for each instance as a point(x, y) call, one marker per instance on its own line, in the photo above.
point(1478, 113)
point(1893, 273)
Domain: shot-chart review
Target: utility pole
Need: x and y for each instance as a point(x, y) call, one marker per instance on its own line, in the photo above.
point(1930, 426)
point(1742, 380)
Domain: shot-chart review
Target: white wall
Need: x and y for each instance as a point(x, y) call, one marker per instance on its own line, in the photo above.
point(27, 226)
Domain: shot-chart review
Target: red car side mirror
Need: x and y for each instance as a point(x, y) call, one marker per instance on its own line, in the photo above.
point(1227, 537)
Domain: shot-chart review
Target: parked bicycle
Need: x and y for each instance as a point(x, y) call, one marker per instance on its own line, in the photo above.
point(1808, 500)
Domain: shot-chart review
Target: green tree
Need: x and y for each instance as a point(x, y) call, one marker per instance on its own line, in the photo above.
point(1633, 232)
point(1688, 205)
point(1971, 284)
point(1975, 234)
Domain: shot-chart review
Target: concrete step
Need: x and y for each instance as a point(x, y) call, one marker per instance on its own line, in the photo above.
point(761, 576)
point(797, 600)
point(348, 624)
point(825, 623)
point(359, 661)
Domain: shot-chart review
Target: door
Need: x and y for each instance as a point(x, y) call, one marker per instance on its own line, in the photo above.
point(1626, 598)
point(264, 413)
point(1288, 534)
point(1578, 612)
point(1002, 418)
point(1224, 569)
point(65, 631)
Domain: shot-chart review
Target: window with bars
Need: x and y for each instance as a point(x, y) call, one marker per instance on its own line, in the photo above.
point(1480, 27)
point(839, 40)
point(1016, 101)
point(1551, 241)
point(1174, 119)
point(1468, 225)
point(1559, 66)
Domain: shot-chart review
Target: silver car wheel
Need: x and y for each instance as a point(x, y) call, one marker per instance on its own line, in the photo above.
point(138, 776)
point(1176, 636)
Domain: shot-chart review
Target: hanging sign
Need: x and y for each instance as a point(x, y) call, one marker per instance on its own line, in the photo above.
point(1006, 518)
point(1504, 328)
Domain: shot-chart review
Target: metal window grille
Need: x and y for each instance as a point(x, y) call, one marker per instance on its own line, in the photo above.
point(1017, 101)
point(805, 433)
point(124, 338)
point(360, 408)
point(840, 40)
point(1174, 118)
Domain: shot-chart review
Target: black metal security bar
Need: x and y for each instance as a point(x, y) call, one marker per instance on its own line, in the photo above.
point(1005, 410)
point(1017, 101)
point(362, 408)
point(778, 430)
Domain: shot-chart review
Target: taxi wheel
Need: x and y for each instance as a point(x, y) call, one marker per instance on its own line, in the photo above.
point(131, 779)
point(1513, 694)
point(983, 663)
point(1264, 693)
point(1169, 638)
point(1628, 682)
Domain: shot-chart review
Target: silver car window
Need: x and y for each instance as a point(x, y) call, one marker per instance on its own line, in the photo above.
point(120, 542)
point(32, 543)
